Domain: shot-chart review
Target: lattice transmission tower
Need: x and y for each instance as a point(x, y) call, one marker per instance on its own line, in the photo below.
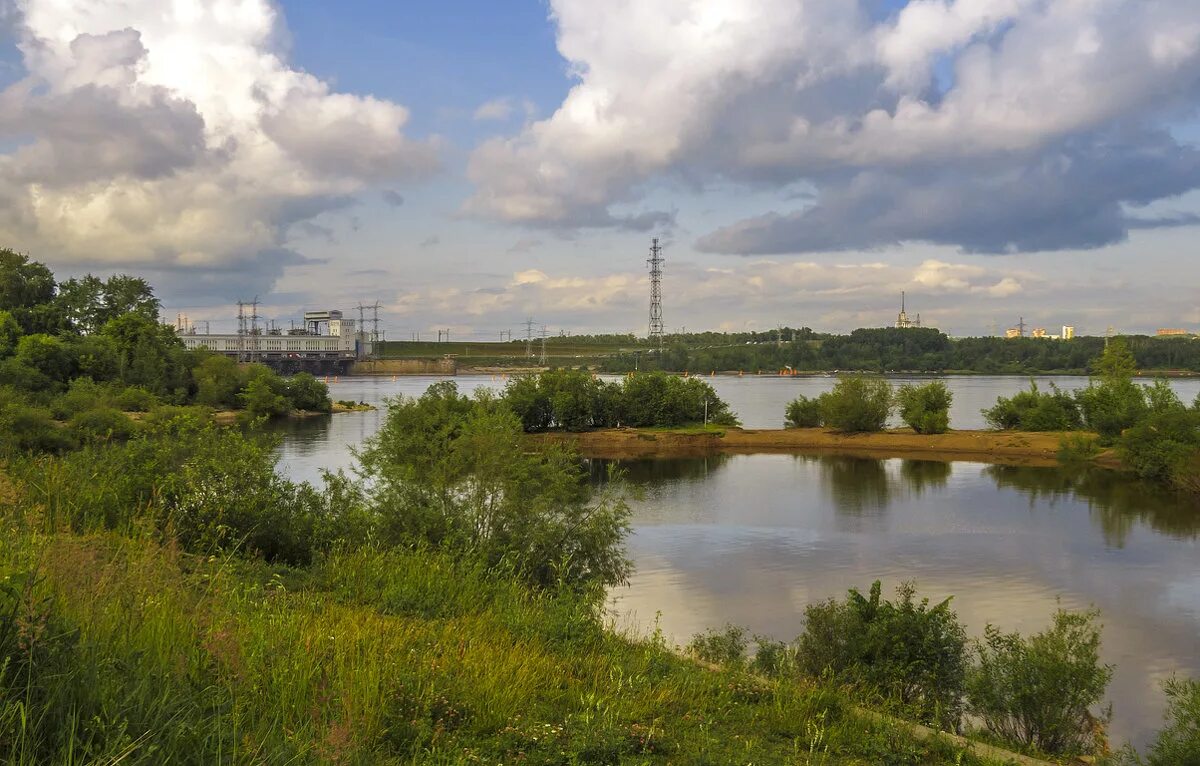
point(655, 261)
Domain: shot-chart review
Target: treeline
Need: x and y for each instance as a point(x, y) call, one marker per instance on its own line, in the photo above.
point(576, 400)
point(883, 350)
point(86, 351)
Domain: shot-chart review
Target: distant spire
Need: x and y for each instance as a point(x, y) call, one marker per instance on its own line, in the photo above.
point(901, 301)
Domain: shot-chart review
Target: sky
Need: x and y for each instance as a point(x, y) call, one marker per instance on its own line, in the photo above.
point(472, 164)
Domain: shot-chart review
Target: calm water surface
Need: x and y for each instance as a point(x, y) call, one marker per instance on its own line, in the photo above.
point(752, 539)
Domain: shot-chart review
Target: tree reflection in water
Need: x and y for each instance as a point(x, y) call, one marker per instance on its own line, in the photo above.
point(1117, 501)
point(648, 472)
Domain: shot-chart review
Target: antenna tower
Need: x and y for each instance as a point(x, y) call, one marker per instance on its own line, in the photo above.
point(253, 351)
point(241, 330)
point(655, 261)
point(1021, 326)
point(543, 345)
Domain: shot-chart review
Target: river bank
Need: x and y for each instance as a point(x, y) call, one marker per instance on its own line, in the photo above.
point(1000, 447)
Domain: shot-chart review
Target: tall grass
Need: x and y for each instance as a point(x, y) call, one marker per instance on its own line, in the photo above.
point(129, 651)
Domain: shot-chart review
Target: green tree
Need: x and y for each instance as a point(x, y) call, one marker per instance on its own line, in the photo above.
point(26, 287)
point(10, 333)
point(1040, 691)
point(46, 354)
point(455, 471)
point(148, 354)
point(857, 404)
point(1114, 402)
point(925, 409)
point(264, 397)
point(307, 393)
point(218, 382)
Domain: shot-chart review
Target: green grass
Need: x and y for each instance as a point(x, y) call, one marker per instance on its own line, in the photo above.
point(135, 653)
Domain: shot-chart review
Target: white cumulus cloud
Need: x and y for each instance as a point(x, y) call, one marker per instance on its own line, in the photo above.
point(176, 135)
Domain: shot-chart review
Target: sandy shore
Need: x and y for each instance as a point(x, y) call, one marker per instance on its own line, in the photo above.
point(1007, 447)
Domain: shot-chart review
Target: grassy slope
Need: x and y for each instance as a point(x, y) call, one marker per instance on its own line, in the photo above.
point(151, 656)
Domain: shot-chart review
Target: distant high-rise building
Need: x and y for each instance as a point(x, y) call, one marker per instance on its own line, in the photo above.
point(1172, 331)
point(1068, 332)
point(1012, 332)
point(1039, 332)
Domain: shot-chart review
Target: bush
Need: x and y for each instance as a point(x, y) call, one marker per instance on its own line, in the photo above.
point(925, 409)
point(1077, 448)
point(451, 470)
point(24, 428)
point(857, 404)
point(101, 425)
point(264, 397)
point(307, 393)
point(1033, 410)
point(803, 412)
point(1164, 447)
point(1179, 743)
point(720, 647)
point(906, 651)
point(136, 399)
point(1038, 692)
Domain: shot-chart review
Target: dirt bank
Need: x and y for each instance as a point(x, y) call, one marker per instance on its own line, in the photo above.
point(1007, 447)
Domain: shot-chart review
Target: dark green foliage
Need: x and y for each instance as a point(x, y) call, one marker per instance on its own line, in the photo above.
point(925, 409)
point(25, 288)
point(149, 355)
point(1165, 447)
point(25, 428)
point(263, 397)
point(574, 400)
point(46, 354)
point(10, 333)
point(88, 303)
point(102, 424)
point(803, 412)
point(1033, 410)
point(307, 393)
point(905, 650)
point(720, 647)
point(659, 399)
point(857, 404)
point(1178, 744)
point(446, 469)
point(1114, 402)
point(1040, 692)
point(218, 381)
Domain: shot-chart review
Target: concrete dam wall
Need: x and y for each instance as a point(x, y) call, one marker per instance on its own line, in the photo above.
point(405, 367)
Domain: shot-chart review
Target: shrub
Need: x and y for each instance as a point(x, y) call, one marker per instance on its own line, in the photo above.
point(136, 399)
point(101, 425)
point(659, 399)
point(82, 395)
point(720, 647)
point(451, 470)
point(773, 658)
point(24, 428)
point(857, 404)
point(803, 412)
point(1038, 692)
point(925, 409)
point(905, 650)
point(1033, 410)
point(1164, 447)
point(263, 397)
point(307, 393)
point(218, 381)
point(1077, 448)
point(1178, 744)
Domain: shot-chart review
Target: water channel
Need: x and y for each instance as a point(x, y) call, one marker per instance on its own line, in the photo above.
point(752, 539)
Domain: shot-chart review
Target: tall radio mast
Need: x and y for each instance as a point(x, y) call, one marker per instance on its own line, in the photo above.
point(655, 261)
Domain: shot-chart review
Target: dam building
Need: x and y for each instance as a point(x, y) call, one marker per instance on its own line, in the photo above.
point(326, 343)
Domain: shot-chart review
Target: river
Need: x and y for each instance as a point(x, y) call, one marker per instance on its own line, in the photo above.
point(752, 539)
